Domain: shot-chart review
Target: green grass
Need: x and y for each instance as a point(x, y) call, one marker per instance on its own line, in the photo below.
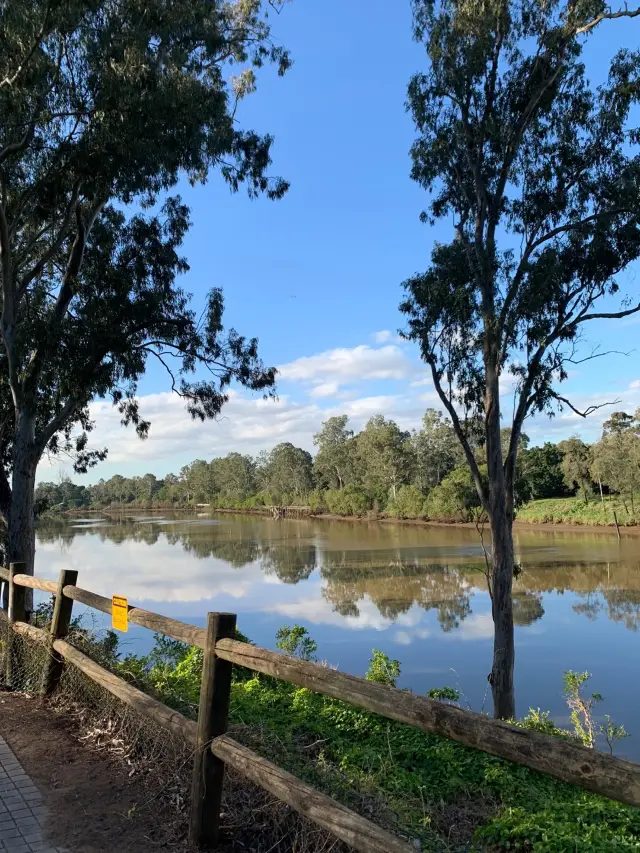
point(442, 795)
point(576, 511)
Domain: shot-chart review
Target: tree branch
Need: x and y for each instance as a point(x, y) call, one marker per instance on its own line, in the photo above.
point(606, 16)
point(462, 438)
point(66, 292)
point(55, 245)
point(9, 81)
point(588, 411)
point(595, 354)
point(56, 423)
point(16, 147)
point(616, 315)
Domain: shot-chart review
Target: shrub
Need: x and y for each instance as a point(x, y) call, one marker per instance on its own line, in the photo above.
point(455, 499)
point(352, 500)
point(382, 669)
point(317, 501)
point(295, 641)
point(409, 502)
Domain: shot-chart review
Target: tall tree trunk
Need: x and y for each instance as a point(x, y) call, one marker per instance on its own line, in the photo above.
point(502, 689)
point(584, 492)
point(22, 529)
point(501, 522)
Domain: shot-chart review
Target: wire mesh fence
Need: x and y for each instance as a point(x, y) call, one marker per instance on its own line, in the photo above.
point(252, 820)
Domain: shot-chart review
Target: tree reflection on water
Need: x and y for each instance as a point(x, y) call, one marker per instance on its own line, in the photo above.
point(393, 567)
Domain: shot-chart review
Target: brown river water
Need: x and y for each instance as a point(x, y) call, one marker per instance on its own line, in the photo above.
point(416, 593)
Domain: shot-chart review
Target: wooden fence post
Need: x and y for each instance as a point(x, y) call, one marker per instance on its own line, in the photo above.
point(208, 771)
point(60, 622)
point(15, 613)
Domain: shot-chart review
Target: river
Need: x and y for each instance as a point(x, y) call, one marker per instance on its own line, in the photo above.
point(417, 593)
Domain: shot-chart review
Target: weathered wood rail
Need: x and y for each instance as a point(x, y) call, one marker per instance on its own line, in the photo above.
point(214, 749)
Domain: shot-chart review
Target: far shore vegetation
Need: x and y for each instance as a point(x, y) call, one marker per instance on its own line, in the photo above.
point(384, 471)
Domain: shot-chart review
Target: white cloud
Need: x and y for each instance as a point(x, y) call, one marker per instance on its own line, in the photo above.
point(247, 425)
point(348, 364)
point(327, 389)
point(478, 626)
point(402, 638)
point(321, 612)
point(367, 406)
point(385, 337)
point(320, 386)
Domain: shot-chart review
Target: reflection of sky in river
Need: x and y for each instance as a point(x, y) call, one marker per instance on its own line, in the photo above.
point(437, 643)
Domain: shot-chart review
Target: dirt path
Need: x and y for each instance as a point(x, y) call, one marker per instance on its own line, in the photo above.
point(90, 799)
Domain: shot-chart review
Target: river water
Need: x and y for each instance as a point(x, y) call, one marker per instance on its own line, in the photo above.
point(417, 593)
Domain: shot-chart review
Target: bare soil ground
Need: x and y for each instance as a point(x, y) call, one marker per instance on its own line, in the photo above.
point(94, 807)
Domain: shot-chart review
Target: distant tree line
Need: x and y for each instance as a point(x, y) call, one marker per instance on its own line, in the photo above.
point(407, 474)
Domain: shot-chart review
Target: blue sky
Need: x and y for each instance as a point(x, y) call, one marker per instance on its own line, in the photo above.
point(317, 275)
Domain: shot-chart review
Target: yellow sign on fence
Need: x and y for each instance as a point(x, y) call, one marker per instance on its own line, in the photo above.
point(119, 613)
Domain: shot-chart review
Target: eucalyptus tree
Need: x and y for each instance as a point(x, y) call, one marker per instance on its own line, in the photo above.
point(538, 171)
point(436, 450)
point(105, 106)
point(335, 461)
point(576, 465)
point(286, 471)
point(385, 457)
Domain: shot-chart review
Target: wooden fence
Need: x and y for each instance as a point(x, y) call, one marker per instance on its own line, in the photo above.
point(214, 749)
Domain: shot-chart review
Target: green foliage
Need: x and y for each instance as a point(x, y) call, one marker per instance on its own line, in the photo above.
point(455, 499)
point(612, 732)
point(352, 500)
point(409, 502)
point(576, 511)
point(106, 109)
point(581, 707)
point(444, 694)
point(167, 651)
point(540, 721)
point(585, 727)
point(436, 491)
point(402, 771)
point(295, 640)
point(576, 465)
point(384, 458)
point(286, 471)
point(436, 450)
point(542, 471)
point(382, 669)
point(335, 462)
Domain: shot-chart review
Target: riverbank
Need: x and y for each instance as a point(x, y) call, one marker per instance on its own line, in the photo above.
point(441, 795)
point(559, 514)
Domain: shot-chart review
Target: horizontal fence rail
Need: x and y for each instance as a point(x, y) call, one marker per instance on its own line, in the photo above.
point(357, 831)
point(164, 716)
point(570, 762)
point(563, 759)
point(182, 631)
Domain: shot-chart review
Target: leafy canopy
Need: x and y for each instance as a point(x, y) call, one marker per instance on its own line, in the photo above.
point(539, 171)
point(105, 106)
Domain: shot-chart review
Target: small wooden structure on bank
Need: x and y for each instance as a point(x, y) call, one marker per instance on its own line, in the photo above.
point(289, 511)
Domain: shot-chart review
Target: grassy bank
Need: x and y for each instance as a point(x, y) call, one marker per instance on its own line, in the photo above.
point(575, 511)
point(439, 794)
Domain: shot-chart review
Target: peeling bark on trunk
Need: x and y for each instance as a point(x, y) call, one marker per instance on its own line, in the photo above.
point(21, 528)
point(501, 521)
point(503, 641)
